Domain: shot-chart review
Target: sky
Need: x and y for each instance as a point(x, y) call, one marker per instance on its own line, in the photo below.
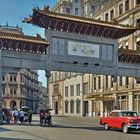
point(13, 12)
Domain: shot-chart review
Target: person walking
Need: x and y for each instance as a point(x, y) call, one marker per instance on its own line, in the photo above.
point(21, 114)
point(30, 116)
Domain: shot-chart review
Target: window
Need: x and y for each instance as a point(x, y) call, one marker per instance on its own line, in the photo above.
point(112, 80)
point(116, 114)
point(76, 11)
point(66, 91)
point(56, 89)
point(68, 10)
point(14, 78)
point(138, 22)
point(138, 45)
point(72, 90)
point(112, 114)
point(11, 79)
point(3, 78)
point(123, 97)
point(120, 81)
point(106, 17)
point(99, 82)
point(78, 106)
point(11, 91)
point(76, 1)
point(120, 9)
point(71, 106)
point(112, 15)
point(94, 83)
point(85, 86)
point(138, 2)
point(66, 74)
point(127, 80)
point(126, 5)
point(106, 81)
point(3, 90)
point(78, 90)
point(66, 106)
point(92, 8)
point(14, 90)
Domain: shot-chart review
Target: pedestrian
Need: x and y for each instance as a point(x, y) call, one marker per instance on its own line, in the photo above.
point(99, 113)
point(41, 116)
point(3, 115)
point(16, 116)
point(30, 116)
point(21, 114)
point(7, 115)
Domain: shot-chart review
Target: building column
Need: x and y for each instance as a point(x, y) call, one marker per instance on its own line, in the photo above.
point(90, 114)
point(130, 100)
point(115, 102)
point(18, 103)
point(101, 108)
point(82, 96)
point(0, 87)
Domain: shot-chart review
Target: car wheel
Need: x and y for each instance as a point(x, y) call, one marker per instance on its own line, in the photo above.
point(106, 126)
point(125, 129)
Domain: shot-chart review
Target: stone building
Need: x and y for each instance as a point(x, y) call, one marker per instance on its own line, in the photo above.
point(87, 94)
point(20, 87)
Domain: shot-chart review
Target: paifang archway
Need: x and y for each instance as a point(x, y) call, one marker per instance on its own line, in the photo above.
point(76, 44)
point(85, 45)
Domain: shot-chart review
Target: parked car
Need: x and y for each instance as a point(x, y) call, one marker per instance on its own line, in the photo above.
point(25, 109)
point(121, 119)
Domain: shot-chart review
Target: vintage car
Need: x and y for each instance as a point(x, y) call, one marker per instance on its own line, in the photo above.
point(121, 119)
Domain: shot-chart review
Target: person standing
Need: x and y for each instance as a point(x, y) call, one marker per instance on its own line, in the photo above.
point(16, 116)
point(7, 114)
point(21, 114)
point(30, 116)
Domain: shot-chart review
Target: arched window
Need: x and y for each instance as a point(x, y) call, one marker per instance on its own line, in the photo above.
point(66, 106)
point(78, 103)
point(13, 104)
point(72, 106)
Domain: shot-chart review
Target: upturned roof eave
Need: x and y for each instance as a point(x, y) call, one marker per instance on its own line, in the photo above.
point(78, 19)
point(21, 37)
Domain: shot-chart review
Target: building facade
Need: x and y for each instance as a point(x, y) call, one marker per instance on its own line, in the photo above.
point(88, 94)
point(20, 87)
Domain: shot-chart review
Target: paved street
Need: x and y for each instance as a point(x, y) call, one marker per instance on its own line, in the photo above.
point(64, 128)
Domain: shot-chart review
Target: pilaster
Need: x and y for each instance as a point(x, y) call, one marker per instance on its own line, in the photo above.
point(130, 100)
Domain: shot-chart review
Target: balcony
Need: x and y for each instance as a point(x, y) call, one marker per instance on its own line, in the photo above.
point(12, 82)
point(125, 87)
point(137, 86)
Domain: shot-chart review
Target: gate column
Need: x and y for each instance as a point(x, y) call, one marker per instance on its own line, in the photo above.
point(1, 88)
point(48, 74)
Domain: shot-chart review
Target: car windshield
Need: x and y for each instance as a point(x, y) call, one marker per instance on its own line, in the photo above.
point(25, 109)
point(128, 114)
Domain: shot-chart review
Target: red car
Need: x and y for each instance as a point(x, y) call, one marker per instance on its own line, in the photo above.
point(122, 119)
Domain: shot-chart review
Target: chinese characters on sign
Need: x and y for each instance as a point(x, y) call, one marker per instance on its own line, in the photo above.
point(83, 49)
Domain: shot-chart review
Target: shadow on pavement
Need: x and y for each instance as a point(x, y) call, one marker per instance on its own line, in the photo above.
point(2, 138)
point(4, 129)
point(75, 127)
point(120, 131)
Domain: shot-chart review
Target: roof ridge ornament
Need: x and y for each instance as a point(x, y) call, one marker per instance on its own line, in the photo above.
point(46, 8)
